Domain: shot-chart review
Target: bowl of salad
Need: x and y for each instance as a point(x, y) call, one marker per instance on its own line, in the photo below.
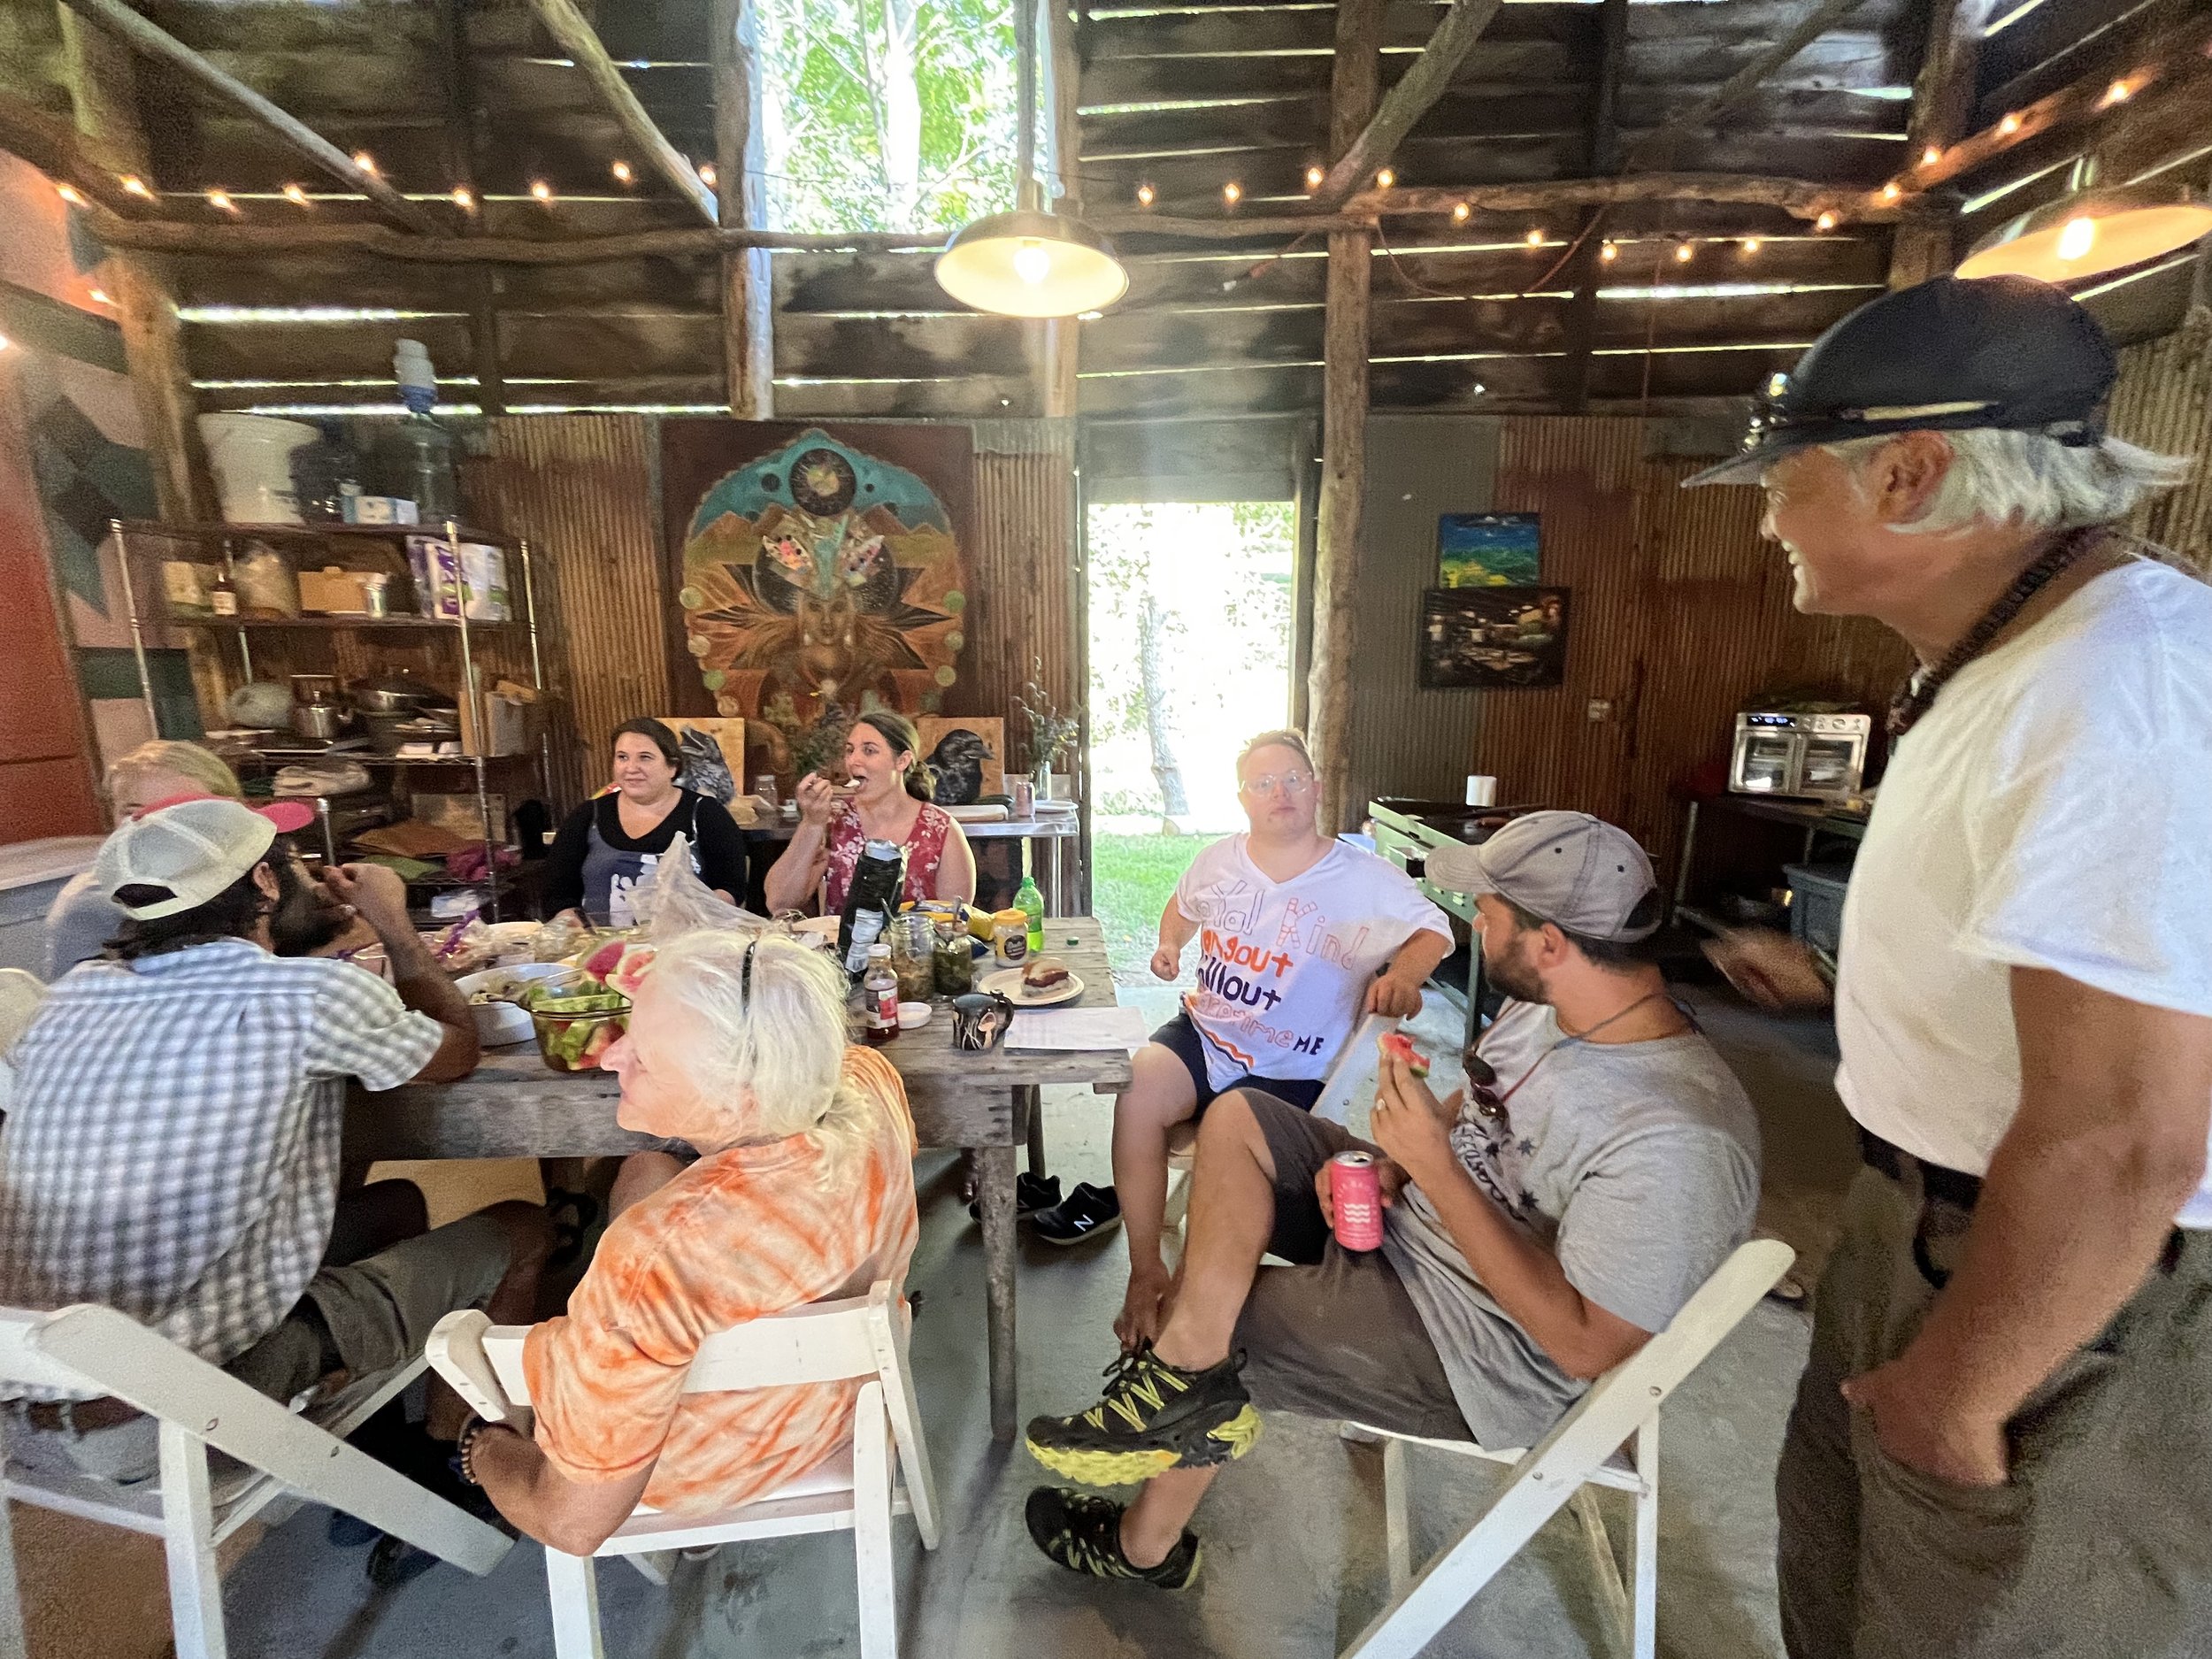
point(495, 996)
point(577, 1020)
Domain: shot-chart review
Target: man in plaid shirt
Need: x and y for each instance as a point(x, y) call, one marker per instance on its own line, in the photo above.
point(172, 1146)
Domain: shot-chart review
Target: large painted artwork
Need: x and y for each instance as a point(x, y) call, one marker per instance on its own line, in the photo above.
point(817, 571)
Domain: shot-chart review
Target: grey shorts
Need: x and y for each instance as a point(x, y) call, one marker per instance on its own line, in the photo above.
point(1334, 1335)
point(377, 1311)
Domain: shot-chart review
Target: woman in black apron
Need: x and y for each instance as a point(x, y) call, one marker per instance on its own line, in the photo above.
point(611, 848)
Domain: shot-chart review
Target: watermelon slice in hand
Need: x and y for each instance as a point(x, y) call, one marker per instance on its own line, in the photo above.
point(1398, 1045)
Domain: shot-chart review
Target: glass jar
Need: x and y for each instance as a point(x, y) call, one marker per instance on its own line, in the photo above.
point(954, 960)
point(266, 586)
point(913, 958)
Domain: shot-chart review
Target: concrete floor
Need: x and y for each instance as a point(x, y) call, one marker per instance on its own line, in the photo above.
point(1294, 1563)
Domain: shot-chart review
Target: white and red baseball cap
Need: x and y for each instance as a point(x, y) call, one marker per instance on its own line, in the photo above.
point(192, 847)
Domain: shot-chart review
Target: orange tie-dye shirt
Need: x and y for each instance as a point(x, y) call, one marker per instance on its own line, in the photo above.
point(749, 1232)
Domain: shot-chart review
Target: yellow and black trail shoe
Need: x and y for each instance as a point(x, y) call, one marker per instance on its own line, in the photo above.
point(1151, 1418)
point(1083, 1534)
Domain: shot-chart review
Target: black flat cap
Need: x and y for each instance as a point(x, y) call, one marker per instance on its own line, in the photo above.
point(2005, 351)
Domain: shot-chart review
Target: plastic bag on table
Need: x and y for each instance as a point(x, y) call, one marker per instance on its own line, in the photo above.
point(680, 902)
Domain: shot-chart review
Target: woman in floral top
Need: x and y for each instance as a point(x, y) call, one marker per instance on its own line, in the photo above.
point(886, 799)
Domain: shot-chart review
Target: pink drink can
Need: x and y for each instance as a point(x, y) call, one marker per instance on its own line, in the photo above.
point(1025, 798)
point(1355, 1196)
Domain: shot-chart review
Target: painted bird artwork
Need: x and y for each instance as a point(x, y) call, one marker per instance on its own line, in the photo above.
point(706, 769)
point(958, 763)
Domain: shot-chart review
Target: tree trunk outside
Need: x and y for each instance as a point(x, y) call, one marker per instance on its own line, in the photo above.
point(902, 114)
point(1158, 728)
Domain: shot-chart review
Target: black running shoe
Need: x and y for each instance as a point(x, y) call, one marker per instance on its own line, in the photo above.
point(1083, 1534)
point(1151, 1418)
point(1031, 1193)
point(1089, 1212)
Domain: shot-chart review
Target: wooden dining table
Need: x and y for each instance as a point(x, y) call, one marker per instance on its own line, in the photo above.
point(514, 1105)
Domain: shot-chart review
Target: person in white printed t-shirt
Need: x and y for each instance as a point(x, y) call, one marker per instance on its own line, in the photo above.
point(1299, 936)
point(2002, 1443)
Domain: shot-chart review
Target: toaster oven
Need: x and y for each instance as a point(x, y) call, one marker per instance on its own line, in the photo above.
point(1810, 756)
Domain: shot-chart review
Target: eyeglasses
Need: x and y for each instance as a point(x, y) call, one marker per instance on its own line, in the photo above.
point(1290, 782)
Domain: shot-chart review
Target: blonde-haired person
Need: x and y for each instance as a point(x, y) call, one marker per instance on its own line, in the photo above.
point(1299, 936)
point(82, 920)
point(804, 1190)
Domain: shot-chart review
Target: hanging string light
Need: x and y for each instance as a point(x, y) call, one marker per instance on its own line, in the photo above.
point(1751, 244)
point(98, 296)
point(542, 190)
point(137, 187)
point(1930, 156)
point(297, 197)
point(1891, 191)
point(1535, 238)
point(464, 198)
point(219, 200)
point(1385, 178)
point(1314, 175)
point(2118, 92)
point(2010, 124)
point(1232, 193)
point(622, 174)
point(1683, 252)
point(1608, 252)
point(1460, 211)
point(366, 162)
point(68, 192)
point(1144, 196)
point(1826, 221)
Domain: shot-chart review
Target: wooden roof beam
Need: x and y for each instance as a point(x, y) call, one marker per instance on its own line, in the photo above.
point(161, 236)
point(574, 32)
point(1743, 82)
point(1409, 101)
point(2177, 63)
point(61, 153)
point(1942, 103)
point(143, 37)
point(1800, 198)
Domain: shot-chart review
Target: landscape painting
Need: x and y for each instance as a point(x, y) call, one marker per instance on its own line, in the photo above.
point(1487, 549)
point(1492, 637)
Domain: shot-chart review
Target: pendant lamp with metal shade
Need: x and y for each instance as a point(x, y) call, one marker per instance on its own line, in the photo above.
point(2091, 231)
point(1031, 262)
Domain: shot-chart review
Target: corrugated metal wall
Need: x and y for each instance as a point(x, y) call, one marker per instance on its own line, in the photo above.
point(1679, 614)
point(2163, 402)
point(582, 488)
point(1405, 741)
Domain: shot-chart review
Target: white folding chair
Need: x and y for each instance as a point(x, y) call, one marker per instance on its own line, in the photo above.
point(884, 1472)
point(1560, 1472)
point(1354, 1064)
point(192, 1507)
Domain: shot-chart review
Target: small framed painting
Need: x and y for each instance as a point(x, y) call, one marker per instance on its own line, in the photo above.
point(967, 753)
point(1492, 636)
point(1487, 549)
point(713, 755)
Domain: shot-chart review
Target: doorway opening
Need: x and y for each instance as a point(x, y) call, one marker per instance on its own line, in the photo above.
point(1190, 654)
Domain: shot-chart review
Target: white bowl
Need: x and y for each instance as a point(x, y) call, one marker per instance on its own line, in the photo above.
point(499, 1024)
point(912, 1016)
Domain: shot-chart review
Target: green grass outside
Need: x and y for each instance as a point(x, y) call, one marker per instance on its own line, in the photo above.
point(1132, 877)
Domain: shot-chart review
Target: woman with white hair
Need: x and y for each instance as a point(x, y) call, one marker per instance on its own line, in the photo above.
point(804, 1190)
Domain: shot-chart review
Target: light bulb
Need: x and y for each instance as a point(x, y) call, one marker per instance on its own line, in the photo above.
point(464, 198)
point(1144, 196)
point(1930, 156)
point(1536, 238)
point(219, 200)
point(6, 342)
point(1890, 192)
point(1460, 211)
point(1314, 175)
point(1826, 221)
point(99, 296)
point(1751, 244)
point(1682, 252)
point(621, 171)
point(2077, 236)
point(706, 174)
point(2117, 92)
point(297, 197)
point(136, 185)
point(2010, 124)
point(366, 162)
point(1608, 253)
point(1385, 179)
point(1232, 193)
point(68, 192)
point(540, 188)
point(1032, 263)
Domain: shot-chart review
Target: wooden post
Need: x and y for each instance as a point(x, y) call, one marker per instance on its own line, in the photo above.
point(460, 145)
point(1343, 424)
point(1605, 159)
point(748, 346)
point(1063, 335)
point(1942, 104)
point(100, 85)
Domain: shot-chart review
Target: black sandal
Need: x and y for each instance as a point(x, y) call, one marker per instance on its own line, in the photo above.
point(568, 1236)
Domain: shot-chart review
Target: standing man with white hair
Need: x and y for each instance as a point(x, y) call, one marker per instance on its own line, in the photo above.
point(2002, 1443)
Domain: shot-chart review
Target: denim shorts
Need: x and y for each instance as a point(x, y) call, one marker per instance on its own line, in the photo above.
point(1180, 1039)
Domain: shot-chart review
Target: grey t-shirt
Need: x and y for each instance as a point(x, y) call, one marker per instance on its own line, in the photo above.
point(79, 924)
point(1636, 1164)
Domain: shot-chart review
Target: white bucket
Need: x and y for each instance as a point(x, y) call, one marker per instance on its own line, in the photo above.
point(252, 459)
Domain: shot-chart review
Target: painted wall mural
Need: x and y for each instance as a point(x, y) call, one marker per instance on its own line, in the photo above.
point(817, 572)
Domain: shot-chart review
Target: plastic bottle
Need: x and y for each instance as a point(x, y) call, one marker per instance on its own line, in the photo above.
point(417, 453)
point(1030, 903)
point(320, 473)
point(879, 996)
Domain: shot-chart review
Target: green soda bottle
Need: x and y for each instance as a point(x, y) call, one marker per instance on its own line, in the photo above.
point(1030, 903)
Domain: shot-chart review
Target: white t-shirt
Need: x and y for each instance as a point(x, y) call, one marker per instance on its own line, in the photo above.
point(2053, 810)
point(1284, 965)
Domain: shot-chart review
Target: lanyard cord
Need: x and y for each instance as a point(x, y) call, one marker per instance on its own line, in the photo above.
point(1582, 1036)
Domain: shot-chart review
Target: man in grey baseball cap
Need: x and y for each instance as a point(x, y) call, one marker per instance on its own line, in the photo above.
point(1541, 1224)
point(2000, 1444)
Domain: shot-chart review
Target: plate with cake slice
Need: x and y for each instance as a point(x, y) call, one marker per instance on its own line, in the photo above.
point(1041, 982)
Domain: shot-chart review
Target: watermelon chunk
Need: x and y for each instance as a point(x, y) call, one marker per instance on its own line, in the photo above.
point(602, 961)
point(1397, 1044)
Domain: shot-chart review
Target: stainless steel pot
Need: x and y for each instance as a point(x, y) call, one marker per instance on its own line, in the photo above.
point(323, 721)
